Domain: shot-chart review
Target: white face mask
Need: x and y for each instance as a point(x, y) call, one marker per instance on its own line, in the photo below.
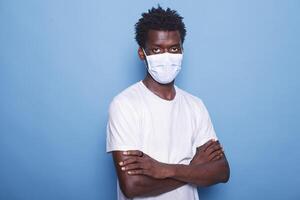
point(164, 67)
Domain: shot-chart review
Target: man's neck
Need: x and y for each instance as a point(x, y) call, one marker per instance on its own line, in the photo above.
point(164, 91)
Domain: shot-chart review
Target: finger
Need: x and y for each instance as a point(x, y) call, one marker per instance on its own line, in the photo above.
point(213, 148)
point(133, 153)
point(216, 155)
point(129, 161)
point(206, 145)
point(133, 166)
point(137, 172)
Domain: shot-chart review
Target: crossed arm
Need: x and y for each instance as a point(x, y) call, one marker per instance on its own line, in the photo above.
point(141, 175)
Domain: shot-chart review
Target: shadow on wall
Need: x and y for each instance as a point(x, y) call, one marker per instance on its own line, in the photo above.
point(209, 192)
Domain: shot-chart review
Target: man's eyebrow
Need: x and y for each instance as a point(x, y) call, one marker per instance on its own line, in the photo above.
point(177, 44)
point(172, 45)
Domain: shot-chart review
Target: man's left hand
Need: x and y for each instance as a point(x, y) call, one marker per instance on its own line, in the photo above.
point(139, 163)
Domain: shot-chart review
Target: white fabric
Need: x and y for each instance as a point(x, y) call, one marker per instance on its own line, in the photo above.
point(168, 131)
point(164, 67)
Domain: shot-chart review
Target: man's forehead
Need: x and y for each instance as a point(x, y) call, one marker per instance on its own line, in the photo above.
point(162, 36)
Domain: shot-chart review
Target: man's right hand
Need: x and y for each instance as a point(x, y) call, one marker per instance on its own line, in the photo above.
point(209, 151)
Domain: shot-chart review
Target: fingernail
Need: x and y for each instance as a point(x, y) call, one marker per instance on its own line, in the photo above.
point(129, 172)
point(125, 152)
point(121, 163)
point(123, 168)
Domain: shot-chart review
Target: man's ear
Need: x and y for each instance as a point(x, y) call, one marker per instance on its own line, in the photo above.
point(141, 54)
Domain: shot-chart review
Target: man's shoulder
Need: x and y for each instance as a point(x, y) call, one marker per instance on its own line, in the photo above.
point(190, 97)
point(129, 95)
point(195, 104)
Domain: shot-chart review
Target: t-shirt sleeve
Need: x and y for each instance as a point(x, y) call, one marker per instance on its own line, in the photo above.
point(205, 130)
point(122, 127)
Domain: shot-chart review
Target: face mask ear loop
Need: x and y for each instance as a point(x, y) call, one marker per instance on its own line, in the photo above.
point(181, 47)
point(145, 60)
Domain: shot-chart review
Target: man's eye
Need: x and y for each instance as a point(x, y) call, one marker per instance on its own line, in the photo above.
point(174, 49)
point(156, 50)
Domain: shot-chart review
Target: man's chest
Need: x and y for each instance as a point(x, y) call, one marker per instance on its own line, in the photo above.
point(167, 133)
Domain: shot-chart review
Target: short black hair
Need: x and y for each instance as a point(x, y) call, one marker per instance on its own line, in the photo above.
point(158, 19)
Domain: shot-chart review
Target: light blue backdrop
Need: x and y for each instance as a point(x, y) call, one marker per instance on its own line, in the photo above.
point(62, 62)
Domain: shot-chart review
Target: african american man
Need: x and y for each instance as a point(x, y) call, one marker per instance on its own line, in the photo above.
point(161, 137)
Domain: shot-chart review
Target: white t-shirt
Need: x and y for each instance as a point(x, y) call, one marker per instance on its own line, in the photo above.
point(168, 131)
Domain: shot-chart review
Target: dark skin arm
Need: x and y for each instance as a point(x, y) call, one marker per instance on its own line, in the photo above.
point(204, 173)
point(200, 174)
point(144, 185)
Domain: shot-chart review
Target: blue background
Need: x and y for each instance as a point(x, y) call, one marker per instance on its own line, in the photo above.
point(62, 62)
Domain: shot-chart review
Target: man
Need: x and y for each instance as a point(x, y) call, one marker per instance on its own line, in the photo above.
point(162, 140)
